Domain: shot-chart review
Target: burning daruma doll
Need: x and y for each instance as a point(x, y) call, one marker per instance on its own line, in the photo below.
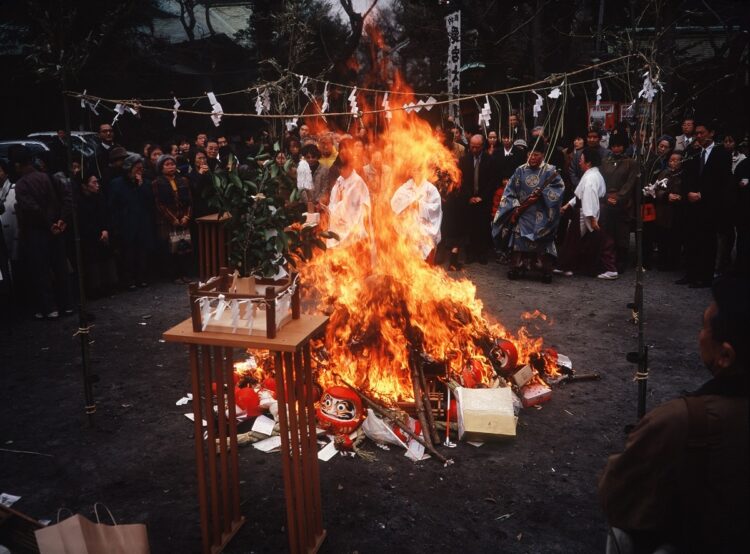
point(340, 411)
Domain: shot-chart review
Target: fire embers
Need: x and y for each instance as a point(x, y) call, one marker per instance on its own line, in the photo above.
point(340, 411)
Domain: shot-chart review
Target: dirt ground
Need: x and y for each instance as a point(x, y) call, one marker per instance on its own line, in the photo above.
point(533, 494)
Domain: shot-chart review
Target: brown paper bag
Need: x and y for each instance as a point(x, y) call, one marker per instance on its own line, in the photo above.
point(79, 535)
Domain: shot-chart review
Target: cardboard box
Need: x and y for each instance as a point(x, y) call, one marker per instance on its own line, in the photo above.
point(485, 414)
point(531, 395)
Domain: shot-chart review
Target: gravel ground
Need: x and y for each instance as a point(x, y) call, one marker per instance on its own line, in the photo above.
point(536, 493)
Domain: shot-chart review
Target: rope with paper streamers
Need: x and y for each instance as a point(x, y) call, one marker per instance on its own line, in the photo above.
point(135, 105)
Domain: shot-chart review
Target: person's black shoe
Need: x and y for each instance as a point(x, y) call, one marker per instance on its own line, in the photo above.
point(470, 260)
point(546, 278)
point(682, 281)
point(483, 260)
point(513, 274)
point(699, 285)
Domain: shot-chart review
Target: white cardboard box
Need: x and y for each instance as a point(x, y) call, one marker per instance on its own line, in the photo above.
point(485, 414)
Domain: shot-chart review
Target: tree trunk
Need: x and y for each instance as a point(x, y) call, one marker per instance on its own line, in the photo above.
point(207, 6)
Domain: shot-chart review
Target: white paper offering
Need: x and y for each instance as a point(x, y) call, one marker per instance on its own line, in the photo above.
point(327, 452)
point(191, 417)
point(8, 500)
point(415, 451)
point(263, 424)
point(268, 445)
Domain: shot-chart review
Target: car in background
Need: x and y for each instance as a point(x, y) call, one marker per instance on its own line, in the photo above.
point(84, 142)
point(36, 146)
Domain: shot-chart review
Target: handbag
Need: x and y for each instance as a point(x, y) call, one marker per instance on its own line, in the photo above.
point(180, 242)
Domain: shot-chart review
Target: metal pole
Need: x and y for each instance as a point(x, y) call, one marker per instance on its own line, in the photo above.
point(83, 326)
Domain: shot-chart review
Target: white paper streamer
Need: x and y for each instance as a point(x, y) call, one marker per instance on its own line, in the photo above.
point(258, 104)
point(205, 305)
point(250, 316)
point(598, 92)
point(174, 111)
point(291, 124)
point(485, 115)
point(353, 108)
point(235, 310)
point(429, 103)
point(216, 109)
point(119, 110)
point(555, 93)
point(537, 109)
point(324, 106)
point(220, 308)
point(386, 106)
point(651, 85)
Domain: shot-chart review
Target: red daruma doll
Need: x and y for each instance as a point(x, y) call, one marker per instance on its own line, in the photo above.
point(340, 411)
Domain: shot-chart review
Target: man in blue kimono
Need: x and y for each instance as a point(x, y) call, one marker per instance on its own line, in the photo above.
point(533, 198)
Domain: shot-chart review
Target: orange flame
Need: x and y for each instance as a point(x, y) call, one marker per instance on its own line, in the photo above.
point(387, 304)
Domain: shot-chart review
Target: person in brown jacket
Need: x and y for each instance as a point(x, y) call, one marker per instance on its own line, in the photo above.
point(681, 484)
point(174, 211)
point(620, 174)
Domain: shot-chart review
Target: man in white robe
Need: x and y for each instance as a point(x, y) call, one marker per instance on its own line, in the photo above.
point(583, 247)
point(350, 208)
point(421, 209)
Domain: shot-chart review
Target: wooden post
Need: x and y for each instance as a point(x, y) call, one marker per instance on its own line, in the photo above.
point(271, 312)
point(295, 297)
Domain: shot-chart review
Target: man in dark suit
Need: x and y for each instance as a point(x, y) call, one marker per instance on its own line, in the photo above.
point(709, 177)
point(480, 178)
point(509, 156)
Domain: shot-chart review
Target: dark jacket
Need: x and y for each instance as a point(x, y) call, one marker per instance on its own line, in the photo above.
point(620, 175)
point(668, 213)
point(714, 184)
point(131, 212)
point(171, 205)
point(41, 201)
point(683, 476)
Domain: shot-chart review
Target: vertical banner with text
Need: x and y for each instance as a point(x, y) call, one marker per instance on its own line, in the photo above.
point(453, 25)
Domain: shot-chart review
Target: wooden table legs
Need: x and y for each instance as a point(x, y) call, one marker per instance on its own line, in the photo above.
point(299, 450)
point(218, 474)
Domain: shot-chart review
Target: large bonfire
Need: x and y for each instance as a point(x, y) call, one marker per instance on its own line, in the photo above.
point(387, 304)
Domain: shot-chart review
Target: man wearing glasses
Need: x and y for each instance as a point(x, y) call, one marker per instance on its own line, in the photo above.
point(106, 143)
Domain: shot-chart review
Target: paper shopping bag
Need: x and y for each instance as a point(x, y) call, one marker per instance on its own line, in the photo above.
point(79, 535)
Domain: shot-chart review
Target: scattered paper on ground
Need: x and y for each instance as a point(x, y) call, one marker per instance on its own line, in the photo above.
point(184, 400)
point(191, 417)
point(263, 424)
point(327, 452)
point(8, 500)
point(268, 445)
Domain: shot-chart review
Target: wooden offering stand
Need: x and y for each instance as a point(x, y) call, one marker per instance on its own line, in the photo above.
point(211, 361)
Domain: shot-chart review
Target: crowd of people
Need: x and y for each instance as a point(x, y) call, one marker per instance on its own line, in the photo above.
point(536, 205)
point(681, 480)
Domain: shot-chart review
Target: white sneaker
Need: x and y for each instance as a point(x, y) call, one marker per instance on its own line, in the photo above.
point(557, 271)
point(610, 275)
point(568, 273)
